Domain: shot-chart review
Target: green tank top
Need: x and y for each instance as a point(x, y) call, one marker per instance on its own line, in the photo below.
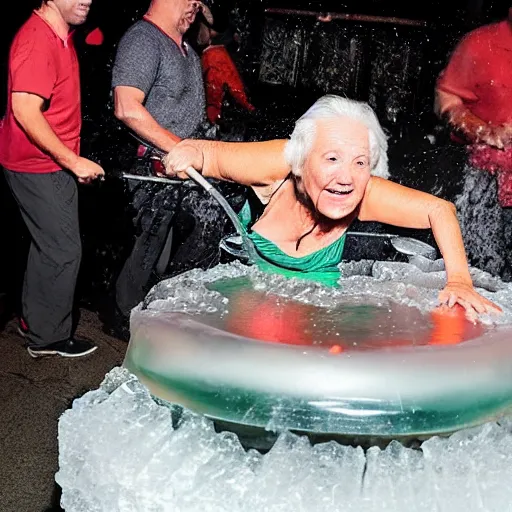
point(320, 266)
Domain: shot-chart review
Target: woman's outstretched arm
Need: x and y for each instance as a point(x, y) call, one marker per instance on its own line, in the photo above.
point(391, 203)
point(248, 163)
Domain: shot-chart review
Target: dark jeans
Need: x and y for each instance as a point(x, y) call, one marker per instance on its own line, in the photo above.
point(154, 206)
point(486, 226)
point(49, 206)
point(198, 225)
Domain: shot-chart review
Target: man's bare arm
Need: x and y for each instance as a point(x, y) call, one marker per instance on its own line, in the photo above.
point(473, 128)
point(28, 112)
point(129, 109)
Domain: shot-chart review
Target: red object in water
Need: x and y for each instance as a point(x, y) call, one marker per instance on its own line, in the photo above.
point(95, 38)
point(451, 326)
point(288, 325)
point(292, 324)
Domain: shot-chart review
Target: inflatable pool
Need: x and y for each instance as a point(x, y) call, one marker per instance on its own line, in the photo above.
point(375, 357)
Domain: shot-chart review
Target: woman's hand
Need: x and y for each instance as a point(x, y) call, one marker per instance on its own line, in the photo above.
point(184, 155)
point(465, 295)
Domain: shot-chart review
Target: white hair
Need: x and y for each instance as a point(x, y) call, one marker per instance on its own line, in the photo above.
point(301, 141)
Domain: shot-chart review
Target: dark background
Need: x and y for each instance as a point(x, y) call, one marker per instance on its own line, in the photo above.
point(287, 62)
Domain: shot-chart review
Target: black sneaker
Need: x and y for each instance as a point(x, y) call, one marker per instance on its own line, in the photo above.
point(70, 348)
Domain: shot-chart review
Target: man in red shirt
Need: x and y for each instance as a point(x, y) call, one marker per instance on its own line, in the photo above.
point(39, 152)
point(474, 93)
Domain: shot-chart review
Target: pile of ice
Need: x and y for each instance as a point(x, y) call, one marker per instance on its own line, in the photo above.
point(119, 452)
point(415, 284)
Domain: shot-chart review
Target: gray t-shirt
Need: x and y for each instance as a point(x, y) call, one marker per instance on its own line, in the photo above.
point(151, 61)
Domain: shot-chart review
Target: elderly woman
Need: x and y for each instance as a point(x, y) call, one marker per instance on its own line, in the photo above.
point(331, 172)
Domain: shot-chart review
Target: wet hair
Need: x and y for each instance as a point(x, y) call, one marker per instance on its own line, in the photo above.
point(331, 106)
point(301, 141)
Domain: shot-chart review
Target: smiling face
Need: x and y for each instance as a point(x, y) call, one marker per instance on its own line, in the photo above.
point(74, 12)
point(337, 169)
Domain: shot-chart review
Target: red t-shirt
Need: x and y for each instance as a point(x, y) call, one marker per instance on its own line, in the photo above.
point(41, 63)
point(480, 72)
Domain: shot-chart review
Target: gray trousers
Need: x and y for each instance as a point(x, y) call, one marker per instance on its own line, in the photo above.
point(486, 226)
point(49, 206)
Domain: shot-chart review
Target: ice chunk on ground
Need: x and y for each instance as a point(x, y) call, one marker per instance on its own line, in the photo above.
point(120, 451)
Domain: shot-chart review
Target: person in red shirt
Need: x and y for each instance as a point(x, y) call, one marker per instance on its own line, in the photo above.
point(474, 94)
point(39, 153)
point(219, 71)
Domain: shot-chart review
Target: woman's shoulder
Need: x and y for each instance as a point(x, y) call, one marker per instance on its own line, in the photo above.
point(266, 192)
